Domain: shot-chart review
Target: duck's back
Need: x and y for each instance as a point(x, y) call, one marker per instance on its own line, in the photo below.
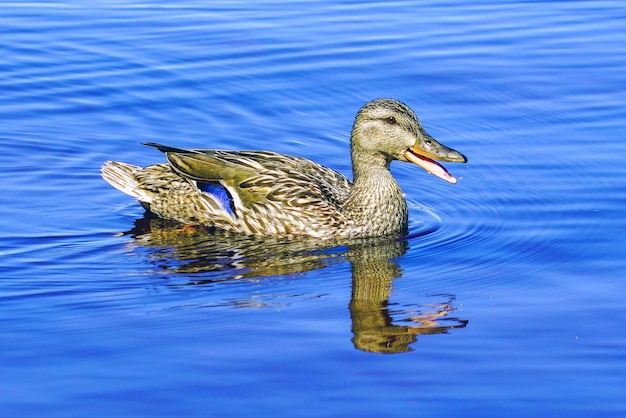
point(252, 192)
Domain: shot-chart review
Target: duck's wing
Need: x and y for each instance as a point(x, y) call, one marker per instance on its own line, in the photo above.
point(254, 177)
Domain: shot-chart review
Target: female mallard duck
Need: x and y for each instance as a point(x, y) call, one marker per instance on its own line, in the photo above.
point(266, 193)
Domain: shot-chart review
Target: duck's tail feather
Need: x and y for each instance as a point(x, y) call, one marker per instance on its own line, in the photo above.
point(165, 148)
point(121, 176)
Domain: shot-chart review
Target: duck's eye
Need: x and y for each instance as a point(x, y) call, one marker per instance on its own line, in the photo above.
point(390, 120)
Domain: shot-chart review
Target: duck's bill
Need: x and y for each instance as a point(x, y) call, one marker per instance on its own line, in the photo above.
point(423, 152)
point(431, 166)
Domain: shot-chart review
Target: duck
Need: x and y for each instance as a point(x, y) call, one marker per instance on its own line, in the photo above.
point(265, 193)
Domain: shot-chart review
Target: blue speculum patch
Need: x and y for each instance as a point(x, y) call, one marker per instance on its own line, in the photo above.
point(219, 192)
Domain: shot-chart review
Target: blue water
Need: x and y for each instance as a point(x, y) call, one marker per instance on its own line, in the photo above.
point(509, 300)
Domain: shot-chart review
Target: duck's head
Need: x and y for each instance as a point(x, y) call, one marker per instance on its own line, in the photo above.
point(390, 129)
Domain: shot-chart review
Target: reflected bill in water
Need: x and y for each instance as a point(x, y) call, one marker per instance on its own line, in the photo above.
point(204, 257)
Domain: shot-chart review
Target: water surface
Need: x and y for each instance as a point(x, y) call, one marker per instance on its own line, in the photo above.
point(507, 301)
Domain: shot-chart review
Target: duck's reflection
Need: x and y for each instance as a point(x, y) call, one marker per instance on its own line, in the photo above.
point(373, 273)
point(374, 323)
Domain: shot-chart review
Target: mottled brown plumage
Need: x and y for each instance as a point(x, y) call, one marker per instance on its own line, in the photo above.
point(266, 193)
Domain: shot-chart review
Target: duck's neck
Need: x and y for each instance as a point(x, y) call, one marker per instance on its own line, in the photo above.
point(376, 202)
